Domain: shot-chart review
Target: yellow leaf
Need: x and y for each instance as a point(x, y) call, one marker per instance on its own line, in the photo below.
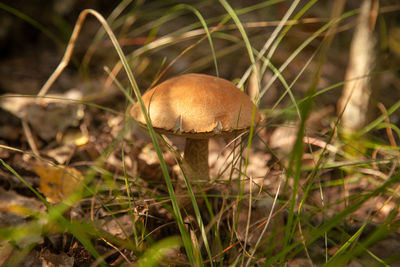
point(58, 182)
point(75, 137)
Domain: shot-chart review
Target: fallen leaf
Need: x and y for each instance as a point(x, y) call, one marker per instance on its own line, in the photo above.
point(49, 115)
point(58, 182)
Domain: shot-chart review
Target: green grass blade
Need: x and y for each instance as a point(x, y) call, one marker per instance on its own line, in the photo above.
point(242, 31)
point(334, 260)
point(269, 42)
point(56, 214)
point(378, 120)
point(304, 44)
point(199, 221)
point(204, 24)
point(185, 235)
point(334, 221)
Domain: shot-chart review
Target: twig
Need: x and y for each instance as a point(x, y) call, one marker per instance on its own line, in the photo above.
point(29, 137)
point(389, 131)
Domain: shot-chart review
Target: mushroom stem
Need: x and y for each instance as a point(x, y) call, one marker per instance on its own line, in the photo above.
point(196, 156)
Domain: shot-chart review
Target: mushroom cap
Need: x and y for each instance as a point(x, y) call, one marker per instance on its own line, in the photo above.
point(197, 106)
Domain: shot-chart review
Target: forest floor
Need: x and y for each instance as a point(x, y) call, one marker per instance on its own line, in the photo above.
point(49, 146)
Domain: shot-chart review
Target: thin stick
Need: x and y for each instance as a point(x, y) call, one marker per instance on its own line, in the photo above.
point(389, 131)
point(29, 137)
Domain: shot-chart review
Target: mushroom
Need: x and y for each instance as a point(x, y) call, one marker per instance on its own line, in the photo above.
point(197, 106)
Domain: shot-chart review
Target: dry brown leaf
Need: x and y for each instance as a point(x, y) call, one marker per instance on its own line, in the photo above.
point(47, 116)
point(58, 182)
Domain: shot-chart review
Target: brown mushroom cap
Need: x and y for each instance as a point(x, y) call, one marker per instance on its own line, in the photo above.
point(197, 106)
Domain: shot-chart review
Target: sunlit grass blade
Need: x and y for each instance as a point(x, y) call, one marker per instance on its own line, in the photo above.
point(378, 120)
point(269, 42)
point(243, 33)
point(204, 24)
point(56, 214)
point(304, 44)
point(334, 260)
point(295, 164)
point(187, 32)
point(185, 236)
point(343, 256)
point(100, 33)
point(198, 219)
point(246, 40)
point(316, 233)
